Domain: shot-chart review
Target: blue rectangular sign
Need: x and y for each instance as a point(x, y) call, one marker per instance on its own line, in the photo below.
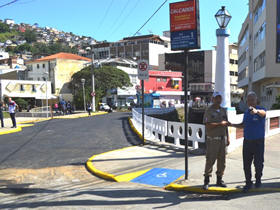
point(184, 39)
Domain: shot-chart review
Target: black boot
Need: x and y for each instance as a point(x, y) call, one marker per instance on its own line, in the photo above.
point(220, 182)
point(206, 183)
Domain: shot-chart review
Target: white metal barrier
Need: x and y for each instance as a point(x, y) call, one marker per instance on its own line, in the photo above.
point(158, 130)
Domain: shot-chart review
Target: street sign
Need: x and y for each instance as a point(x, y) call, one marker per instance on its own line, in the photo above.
point(92, 94)
point(184, 25)
point(143, 70)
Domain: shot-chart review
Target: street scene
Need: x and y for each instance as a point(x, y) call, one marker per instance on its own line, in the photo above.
point(139, 104)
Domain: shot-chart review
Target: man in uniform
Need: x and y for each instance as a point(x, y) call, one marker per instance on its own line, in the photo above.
point(216, 122)
point(253, 144)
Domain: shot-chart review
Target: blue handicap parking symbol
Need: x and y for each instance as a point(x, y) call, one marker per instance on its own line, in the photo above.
point(159, 177)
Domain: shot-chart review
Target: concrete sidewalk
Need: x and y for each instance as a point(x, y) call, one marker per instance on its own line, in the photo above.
point(29, 121)
point(129, 163)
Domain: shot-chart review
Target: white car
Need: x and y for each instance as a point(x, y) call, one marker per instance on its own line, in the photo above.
point(105, 107)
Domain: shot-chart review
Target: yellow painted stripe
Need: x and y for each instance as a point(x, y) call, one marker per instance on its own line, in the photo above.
point(128, 177)
point(18, 129)
point(220, 190)
point(99, 173)
point(134, 129)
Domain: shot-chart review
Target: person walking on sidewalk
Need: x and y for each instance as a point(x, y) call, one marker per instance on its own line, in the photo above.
point(253, 144)
point(216, 122)
point(1, 114)
point(89, 108)
point(12, 111)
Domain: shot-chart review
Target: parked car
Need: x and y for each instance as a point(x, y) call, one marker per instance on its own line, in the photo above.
point(105, 107)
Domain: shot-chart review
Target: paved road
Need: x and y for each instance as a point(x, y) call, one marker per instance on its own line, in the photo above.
point(62, 142)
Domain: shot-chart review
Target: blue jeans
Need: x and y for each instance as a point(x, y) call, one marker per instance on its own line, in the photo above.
point(13, 117)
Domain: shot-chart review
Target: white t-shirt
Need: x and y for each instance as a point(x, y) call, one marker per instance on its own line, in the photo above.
point(12, 107)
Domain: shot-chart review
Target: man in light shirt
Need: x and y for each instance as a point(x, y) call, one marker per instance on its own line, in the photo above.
point(12, 110)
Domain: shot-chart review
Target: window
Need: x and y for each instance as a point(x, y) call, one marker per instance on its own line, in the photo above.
point(43, 65)
point(231, 61)
point(38, 66)
point(158, 79)
point(243, 74)
point(21, 87)
point(164, 79)
point(259, 10)
point(260, 35)
point(231, 73)
point(33, 88)
point(244, 38)
point(236, 74)
point(242, 58)
point(259, 62)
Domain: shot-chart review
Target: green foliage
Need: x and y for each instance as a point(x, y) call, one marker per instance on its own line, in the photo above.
point(30, 36)
point(13, 35)
point(21, 103)
point(106, 79)
point(277, 104)
point(4, 28)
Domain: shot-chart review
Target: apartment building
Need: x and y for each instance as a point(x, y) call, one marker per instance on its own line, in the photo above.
point(259, 51)
point(146, 47)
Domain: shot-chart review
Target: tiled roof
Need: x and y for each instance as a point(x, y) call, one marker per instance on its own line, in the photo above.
point(63, 55)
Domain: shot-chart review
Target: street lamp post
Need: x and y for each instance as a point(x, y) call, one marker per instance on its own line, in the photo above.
point(222, 78)
point(83, 83)
point(47, 103)
point(93, 85)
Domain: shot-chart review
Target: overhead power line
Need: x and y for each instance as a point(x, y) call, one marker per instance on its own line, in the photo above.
point(150, 18)
point(9, 3)
point(105, 15)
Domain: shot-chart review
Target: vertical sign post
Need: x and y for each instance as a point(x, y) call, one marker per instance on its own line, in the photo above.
point(143, 74)
point(278, 32)
point(185, 35)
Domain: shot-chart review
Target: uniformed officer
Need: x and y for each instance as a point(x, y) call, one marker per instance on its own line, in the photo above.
point(253, 144)
point(216, 122)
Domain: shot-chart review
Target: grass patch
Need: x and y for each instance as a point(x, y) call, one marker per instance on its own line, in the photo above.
point(6, 115)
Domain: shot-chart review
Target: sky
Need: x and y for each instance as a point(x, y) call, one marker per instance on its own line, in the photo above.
point(113, 20)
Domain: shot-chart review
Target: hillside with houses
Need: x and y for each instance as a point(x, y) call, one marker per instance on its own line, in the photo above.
point(32, 41)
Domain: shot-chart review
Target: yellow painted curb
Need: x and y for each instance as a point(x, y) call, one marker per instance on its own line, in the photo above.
point(18, 129)
point(135, 130)
point(15, 130)
point(128, 177)
point(215, 190)
point(102, 174)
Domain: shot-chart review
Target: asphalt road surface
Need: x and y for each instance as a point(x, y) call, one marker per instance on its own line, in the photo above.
point(62, 142)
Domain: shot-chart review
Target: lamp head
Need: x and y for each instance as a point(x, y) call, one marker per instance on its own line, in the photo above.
point(223, 17)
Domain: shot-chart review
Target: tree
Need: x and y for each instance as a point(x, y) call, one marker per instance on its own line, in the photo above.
point(30, 36)
point(4, 28)
point(277, 104)
point(107, 78)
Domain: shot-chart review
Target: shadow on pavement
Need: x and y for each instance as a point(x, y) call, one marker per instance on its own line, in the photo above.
point(119, 197)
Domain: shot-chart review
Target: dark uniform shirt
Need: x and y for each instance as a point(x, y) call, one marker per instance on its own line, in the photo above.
point(213, 115)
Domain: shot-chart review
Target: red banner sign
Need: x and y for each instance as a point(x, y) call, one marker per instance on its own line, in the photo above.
point(182, 16)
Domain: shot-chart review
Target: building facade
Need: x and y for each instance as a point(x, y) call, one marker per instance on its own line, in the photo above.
point(58, 69)
point(201, 71)
point(166, 86)
point(146, 47)
point(39, 90)
point(259, 51)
